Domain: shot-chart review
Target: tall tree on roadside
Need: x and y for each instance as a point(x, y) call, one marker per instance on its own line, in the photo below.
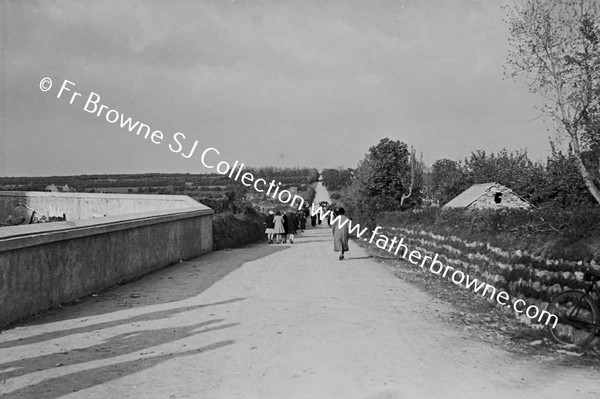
point(391, 173)
point(385, 179)
point(446, 180)
point(556, 49)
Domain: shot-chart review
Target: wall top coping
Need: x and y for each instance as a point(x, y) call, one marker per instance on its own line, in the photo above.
point(107, 196)
point(21, 236)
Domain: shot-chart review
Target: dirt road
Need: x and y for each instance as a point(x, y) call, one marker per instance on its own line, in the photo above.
point(321, 193)
point(278, 321)
point(269, 321)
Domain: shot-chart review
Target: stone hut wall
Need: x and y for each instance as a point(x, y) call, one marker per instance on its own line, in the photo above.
point(508, 199)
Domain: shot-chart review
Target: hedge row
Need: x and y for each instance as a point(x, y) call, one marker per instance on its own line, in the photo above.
point(502, 255)
point(519, 273)
point(549, 234)
point(231, 231)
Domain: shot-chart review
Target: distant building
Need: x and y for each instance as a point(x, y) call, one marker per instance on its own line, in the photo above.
point(488, 196)
point(60, 189)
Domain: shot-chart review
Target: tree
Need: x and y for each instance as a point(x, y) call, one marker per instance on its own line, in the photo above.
point(384, 180)
point(336, 179)
point(446, 180)
point(390, 166)
point(235, 197)
point(556, 49)
point(512, 169)
point(565, 189)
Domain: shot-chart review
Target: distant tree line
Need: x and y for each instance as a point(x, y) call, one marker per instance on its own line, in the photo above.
point(150, 182)
point(286, 175)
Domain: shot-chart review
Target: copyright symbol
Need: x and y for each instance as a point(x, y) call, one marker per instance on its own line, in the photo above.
point(45, 84)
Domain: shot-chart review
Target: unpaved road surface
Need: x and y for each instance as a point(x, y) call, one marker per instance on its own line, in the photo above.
point(269, 321)
point(321, 193)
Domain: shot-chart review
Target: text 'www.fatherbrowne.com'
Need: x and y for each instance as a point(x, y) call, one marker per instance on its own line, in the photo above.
point(415, 257)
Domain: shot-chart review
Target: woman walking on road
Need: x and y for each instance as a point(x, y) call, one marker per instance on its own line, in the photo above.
point(340, 234)
point(292, 225)
point(279, 230)
point(270, 227)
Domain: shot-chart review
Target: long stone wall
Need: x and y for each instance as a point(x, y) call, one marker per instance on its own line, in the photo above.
point(532, 278)
point(47, 264)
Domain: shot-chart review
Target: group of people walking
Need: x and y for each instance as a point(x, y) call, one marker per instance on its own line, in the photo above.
point(284, 226)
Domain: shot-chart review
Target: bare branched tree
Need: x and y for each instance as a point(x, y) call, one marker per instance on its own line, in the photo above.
point(555, 49)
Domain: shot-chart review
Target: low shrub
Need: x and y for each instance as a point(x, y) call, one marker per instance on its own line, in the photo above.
point(335, 196)
point(231, 231)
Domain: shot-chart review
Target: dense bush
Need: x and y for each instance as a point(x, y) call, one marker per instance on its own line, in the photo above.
point(230, 231)
point(336, 179)
point(569, 235)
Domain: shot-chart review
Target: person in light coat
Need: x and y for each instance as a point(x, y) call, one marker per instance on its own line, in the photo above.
point(340, 234)
point(279, 230)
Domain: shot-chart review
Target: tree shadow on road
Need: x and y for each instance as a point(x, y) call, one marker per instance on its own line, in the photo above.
point(170, 284)
point(66, 384)
point(118, 345)
point(108, 324)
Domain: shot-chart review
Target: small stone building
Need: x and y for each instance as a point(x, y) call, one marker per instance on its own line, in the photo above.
point(60, 189)
point(488, 196)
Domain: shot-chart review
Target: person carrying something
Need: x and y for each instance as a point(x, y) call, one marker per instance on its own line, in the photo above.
point(279, 230)
point(270, 227)
point(340, 234)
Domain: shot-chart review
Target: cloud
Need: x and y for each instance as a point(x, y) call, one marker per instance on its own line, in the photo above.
point(258, 80)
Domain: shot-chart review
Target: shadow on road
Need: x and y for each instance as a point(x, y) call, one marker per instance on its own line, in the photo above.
point(357, 258)
point(117, 345)
point(103, 325)
point(171, 284)
point(69, 383)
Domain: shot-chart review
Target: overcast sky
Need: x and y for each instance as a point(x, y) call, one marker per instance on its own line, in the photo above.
point(281, 83)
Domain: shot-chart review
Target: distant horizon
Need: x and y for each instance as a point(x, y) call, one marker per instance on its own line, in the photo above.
point(209, 172)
